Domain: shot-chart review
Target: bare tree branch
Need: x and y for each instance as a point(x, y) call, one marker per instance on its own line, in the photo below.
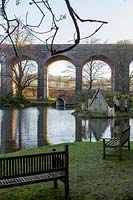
point(43, 6)
point(8, 28)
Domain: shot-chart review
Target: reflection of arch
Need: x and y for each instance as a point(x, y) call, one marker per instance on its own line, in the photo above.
point(42, 124)
point(8, 132)
point(78, 129)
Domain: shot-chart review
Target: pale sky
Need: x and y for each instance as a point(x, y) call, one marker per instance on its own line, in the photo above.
point(118, 14)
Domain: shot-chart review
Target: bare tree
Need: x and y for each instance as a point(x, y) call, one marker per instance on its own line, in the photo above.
point(24, 72)
point(93, 71)
point(44, 7)
point(7, 26)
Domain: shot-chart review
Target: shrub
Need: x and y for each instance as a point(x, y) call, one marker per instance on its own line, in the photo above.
point(10, 100)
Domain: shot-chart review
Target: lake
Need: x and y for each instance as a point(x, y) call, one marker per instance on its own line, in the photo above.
point(34, 127)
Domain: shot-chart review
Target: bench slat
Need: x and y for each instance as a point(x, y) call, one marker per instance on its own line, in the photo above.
point(114, 142)
point(30, 179)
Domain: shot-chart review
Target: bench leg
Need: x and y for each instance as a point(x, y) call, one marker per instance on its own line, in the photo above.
point(55, 184)
point(128, 144)
point(103, 148)
point(66, 185)
point(120, 153)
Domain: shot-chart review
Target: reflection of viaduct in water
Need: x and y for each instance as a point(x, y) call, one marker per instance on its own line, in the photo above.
point(12, 130)
point(8, 136)
point(117, 56)
point(117, 125)
point(88, 128)
point(43, 127)
point(98, 126)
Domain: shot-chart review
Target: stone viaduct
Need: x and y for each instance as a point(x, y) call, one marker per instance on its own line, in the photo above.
point(117, 56)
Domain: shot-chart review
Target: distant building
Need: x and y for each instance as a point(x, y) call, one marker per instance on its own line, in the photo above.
point(68, 100)
point(98, 103)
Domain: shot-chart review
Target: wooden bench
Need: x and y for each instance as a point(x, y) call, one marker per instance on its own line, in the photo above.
point(122, 140)
point(35, 168)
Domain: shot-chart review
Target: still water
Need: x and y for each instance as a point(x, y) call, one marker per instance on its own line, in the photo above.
point(34, 127)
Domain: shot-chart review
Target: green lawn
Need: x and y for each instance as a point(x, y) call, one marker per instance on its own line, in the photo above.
point(91, 177)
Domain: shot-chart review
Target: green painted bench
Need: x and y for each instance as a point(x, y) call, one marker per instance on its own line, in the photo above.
point(122, 140)
point(35, 168)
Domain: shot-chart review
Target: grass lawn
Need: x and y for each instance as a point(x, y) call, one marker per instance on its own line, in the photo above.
point(91, 177)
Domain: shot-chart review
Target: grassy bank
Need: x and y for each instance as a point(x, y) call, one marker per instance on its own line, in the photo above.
point(91, 177)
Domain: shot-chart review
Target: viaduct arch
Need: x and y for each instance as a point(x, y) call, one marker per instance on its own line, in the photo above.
point(117, 56)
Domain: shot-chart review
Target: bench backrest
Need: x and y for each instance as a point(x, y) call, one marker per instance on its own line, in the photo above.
point(125, 134)
point(23, 165)
point(122, 132)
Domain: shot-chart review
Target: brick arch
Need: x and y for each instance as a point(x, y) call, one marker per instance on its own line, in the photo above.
point(13, 60)
point(58, 58)
point(103, 58)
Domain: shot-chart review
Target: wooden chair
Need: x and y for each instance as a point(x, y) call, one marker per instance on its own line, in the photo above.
point(122, 140)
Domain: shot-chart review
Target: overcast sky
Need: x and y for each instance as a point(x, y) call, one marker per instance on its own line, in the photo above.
point(118, 14)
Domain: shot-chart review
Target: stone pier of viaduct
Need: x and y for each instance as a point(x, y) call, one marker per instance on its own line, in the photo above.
point(117, 56)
